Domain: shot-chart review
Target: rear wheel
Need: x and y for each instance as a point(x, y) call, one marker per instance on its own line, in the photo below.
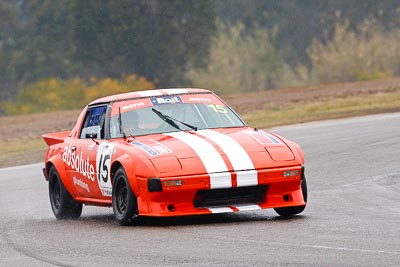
point(124, 202)
point(62, 203)
point(289, 211)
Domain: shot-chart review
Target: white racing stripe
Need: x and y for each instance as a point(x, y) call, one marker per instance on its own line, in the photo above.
point(220, 180)
point(172, 91)
point(229, 209)
point(247, 178)
point(240, 160)
point(212, 160)
point(149, 93)
point(220, 210)
point(248, 207)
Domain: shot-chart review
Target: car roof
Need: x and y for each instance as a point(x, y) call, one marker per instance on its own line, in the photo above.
point(148, 93)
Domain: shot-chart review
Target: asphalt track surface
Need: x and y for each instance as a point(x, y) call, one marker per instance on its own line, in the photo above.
point(352, 217)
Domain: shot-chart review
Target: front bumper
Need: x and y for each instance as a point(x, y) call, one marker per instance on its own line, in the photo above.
point(192, 194)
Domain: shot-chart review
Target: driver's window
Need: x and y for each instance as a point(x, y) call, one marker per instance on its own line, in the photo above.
point(93, 125)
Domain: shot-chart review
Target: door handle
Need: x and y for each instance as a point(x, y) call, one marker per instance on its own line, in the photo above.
point(73, 148)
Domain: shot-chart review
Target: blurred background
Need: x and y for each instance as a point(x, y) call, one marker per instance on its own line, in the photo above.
point(58, 55)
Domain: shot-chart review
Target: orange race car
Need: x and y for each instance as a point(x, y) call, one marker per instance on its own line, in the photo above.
point(170, 152)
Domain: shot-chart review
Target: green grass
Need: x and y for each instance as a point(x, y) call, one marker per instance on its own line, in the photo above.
point(321, 110)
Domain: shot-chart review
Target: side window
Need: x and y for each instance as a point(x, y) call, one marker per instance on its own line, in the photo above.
point(94, 122)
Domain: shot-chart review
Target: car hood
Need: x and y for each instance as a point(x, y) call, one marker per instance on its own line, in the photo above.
point(214, 151)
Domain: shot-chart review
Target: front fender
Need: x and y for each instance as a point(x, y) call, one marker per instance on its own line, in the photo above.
point(299, 151)
point(126, 162)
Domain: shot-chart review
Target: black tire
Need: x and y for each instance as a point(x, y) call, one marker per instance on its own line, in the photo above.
point(289, 211)
point(124, 202)
point(62, 203)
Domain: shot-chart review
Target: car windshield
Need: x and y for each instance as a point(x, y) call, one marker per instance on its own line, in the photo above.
point(163, 114)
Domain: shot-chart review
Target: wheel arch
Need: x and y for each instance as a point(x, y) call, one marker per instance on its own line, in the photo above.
point(57, 163)
point(126, 163)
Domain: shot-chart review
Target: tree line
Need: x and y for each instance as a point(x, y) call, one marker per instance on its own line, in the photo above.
point(67, 38)
point(225, 45)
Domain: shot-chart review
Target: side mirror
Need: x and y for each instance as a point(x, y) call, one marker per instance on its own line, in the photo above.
point(91, 135)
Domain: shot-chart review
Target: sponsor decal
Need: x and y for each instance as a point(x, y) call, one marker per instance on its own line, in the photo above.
point(80, 183)
point(129, 105)
point(270, 137)
point(152, 147)
point(145, 148)
point(78, 162)
point(133, 106)
point(162, 100)
point(103, 163)
point(161, 149)
point(199, 99)
point(263, 137)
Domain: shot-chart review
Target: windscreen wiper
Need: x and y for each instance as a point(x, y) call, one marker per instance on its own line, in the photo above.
point(171, 120)
point(121, 129)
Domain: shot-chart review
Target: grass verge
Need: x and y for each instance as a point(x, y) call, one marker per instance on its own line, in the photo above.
point(17, 149)
point(321, 110)
point(16, 152)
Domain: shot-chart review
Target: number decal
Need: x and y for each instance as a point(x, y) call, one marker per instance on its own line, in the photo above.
point(218, 108)
point(103, 163)
point(103, 167)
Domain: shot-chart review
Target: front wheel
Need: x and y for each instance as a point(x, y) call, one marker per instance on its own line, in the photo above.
point(124, 202)
point(289, 211)
point(62, 203)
